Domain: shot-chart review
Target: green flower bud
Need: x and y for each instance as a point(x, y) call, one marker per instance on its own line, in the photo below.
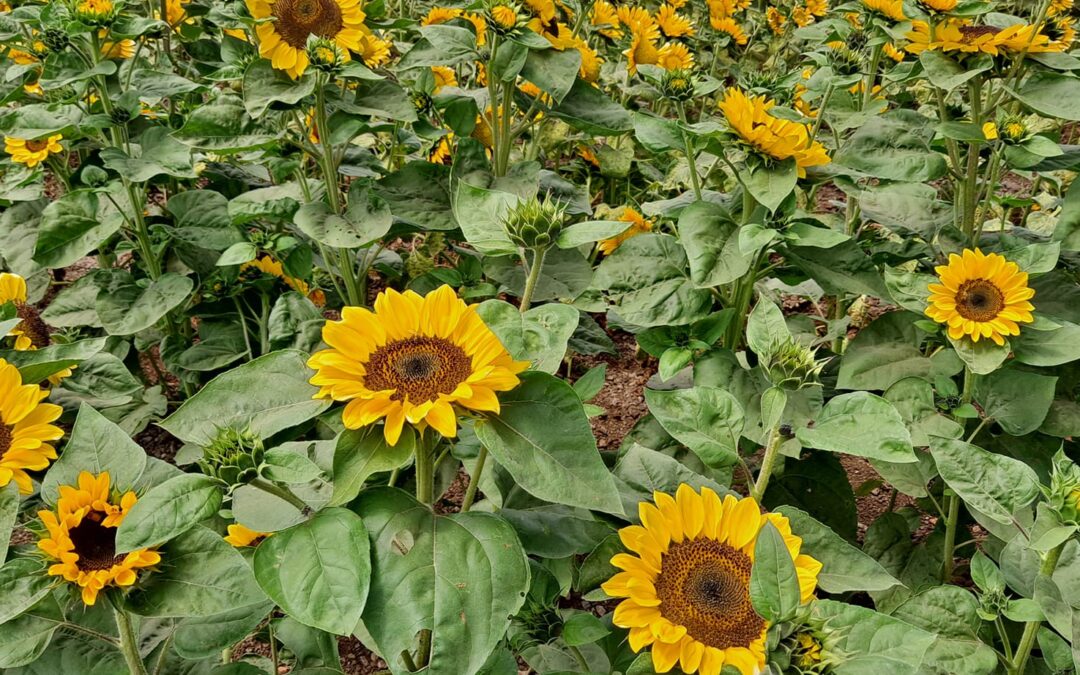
point(56, 40)
point(1064, 491)
point(677, 84)
point(790, 365)
point(325, 55)
point(233, 457)
point(534, 224)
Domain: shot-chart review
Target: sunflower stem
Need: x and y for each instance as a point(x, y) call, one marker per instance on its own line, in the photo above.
point(691, 156)
point(474, 480)
point(768, 463)
point(580, 658)
point(534, 276)
point(425, 473)
point(1031, 630)
point(952, 517)
point(269, 488)
point(129, 644)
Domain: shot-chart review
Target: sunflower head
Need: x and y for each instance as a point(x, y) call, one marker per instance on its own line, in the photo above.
point(421, 359)
point(806, 653)
point(791, 365)
point(686, 590)
point(26, 429)
point(677, 84)
point(96, 12)
point(326, 55)
point(284, 26)
point(504, 17)
point(32, 152)
point(56, 39)
point(638, 225)
point(233, 457)
point(535, 224)
point(980, 296)
point(81, 537)
point(1014, 129)
point(933, 6)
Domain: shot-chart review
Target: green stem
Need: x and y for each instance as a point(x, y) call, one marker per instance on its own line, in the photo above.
point(534, 276)
point(951, 522)
point(129, 644)
point(425, 474)
point(871, 77)
point(264, 325)
point(1031, 630)
point(580, 658)
point(768, 463)
point(269, 488)
point(691, 158)
point(474, 480)
point(1006, 644)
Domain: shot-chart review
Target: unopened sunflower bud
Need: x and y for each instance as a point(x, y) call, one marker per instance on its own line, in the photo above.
point(845, 61)
point(677, 85)
point(93, 176)
point(534, 224)
point(790, 365)
point(233, 457)
point(56, 40)
point(96, 12)
point(418, 264)
point(1014, 129)
point(1064, 491)
point(325, 55)
point(422, 103)
point(120, 116)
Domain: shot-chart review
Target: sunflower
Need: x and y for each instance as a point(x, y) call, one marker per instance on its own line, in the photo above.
point(242, 537)
point(1058, 7)
point(776, 20)
point(808, 650)
point(33, 152)
point(642, 48)
point(634, 17)
point(123, 49)
point(31, 333)
point(606, 19)
point(437, 15)
point(675, 56)
point(983, 296)
point(938, 5)
point(671, 24)
point(444, 77)
point(892, 9)
point(274, 268)
point(25, 428)
point(818, 8)
point(414, 358)
point(802, 17)
point(894, 53)
point(777, 138)
point(638, 225)
point(374, 51)
point(590, 62)
point(687, 589)
point(283, 28)
point(82, 537)
point(731, 27)
point(442, 151)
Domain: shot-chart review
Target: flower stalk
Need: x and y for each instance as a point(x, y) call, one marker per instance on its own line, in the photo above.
point(129, 643)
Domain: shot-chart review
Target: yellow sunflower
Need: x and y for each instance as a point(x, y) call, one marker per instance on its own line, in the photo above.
point(687, 589)
point(444, 77)
point(442, 151)
point(437, 15)
point(780, 139)
point(638, 225)
point(32, 153)
point(1058, 7)
point(671, 24)
point(82, 537)
point(26, 428)
point(274, 268)
point(802, 17)
point(776, 20)
point(634, 17)
point(606, 19)
point(123, 49)
point(981, 296)
point(893, 9)
point(731, 27)
point(284, 26)
point(818, 8)
point(807, 651)
point(413, 359)
point(938, 5)
point(643, 49)
point(242, 537)
point(374, 51)
point(675, 56)
point(31, 333)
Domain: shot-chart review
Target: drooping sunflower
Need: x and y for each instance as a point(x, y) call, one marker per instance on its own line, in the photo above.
point(892, 9)
point(33, 152)
point(802, 17)
point(240, 536)
point(26, 428)
point(687, 588)
point(30, 333)
point(671, 23)
point(642, 49)
point(605, 18)
point(1058, 7)
point(980, 296)
point(638, 225)
point(274, 268)
point(776, 20)
point(82, 537)
point(731, 27)
point(416, 359)
point(777, 138)
point(634, 17)
point(818, 8)
point(285, 25)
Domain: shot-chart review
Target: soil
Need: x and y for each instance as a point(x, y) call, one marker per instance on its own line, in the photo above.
point(622, 397)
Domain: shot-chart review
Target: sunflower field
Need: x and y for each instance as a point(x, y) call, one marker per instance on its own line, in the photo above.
point(498, 337)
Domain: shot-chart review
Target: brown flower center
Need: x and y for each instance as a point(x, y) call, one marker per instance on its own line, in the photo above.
point(979, 300)
point(418, 368)
point(32, 326)
point(6, 436)
point(38, 145)
point(704, 586)
point(973, 33)
point(95, 543)
point(297, 19)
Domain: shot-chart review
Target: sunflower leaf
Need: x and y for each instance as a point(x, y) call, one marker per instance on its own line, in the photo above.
point(168, 510)
point(774, 584)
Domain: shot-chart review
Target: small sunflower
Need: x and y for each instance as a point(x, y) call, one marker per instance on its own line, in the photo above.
point(82, 537)
point(892, 9)
point(120, 49)
point(274, 268)
point(638, 225)
point(776, 20)
point(938, 5)
point(26, 428)
point(444, 77)
point(504, 16)
point(606, 19)
point(643, 49)
point(242, 537)
point(414, 359)
point(731, 27)
point(671, 24)
point(437, 15)
point(802, 17)
point(807, 652)
point(981, 296)
point(283, 28)
point(675, 56)
point(1058, 7)
point(31, 333)
point(634, 18)
point(777, 138)
point(33, 152)
point(687, 589)
point(818, 8)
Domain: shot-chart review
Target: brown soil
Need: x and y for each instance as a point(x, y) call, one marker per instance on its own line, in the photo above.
point(158, 443)
point(622, 397)
point(356, 659)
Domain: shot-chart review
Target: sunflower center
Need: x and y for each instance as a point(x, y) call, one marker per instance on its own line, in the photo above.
point(418, 368)
point(703, 585)
point(95, 544)
point(32, 325)
point(37, 146)
point(5, 437)
point(973, 33)
point(297, 19)
point(979, 300)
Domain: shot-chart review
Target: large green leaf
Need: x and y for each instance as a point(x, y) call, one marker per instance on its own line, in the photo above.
point(201, 575)
point(587, 108)
point(318, 571)
point(360, 453)
point(9, 510)
point(461, 576)
point(539, 335)
point(895, 146)
point(367, 218)
point(168, 510)
point(96, 445)
point(265, 85)
point(37, 364)
point(873, 642)
point(441, 45)
point(128, 307)
point(23, 583)
point(76, 224)
point(860, 424)
point(993, 484)
point(774, 584)
point(266, 395)
point(1017, 400)
point(156, 153)
point(1051, 94)
point(707, 420)
point(642, 471)
point(711, 240)
point(205, 636)
point(887, 351)
point(25, 638)
point(543, 438)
